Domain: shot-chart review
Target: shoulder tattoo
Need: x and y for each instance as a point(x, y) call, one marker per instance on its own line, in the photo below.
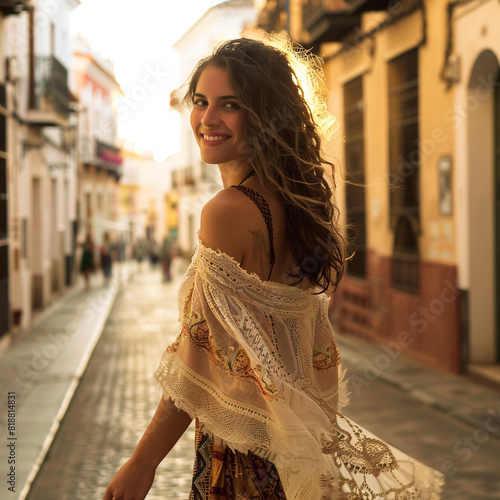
point(259, 248)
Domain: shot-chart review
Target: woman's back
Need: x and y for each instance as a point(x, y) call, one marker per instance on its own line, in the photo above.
point(250, 243)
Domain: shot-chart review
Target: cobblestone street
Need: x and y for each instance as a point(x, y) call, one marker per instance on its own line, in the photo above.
point(116, 400)
point(117, 397)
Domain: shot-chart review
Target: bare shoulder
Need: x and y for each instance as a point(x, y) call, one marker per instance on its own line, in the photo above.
point(224, 223)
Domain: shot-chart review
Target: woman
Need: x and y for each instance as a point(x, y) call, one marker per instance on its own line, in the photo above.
point(106, 258)
point(256, 362)
point(87, 262)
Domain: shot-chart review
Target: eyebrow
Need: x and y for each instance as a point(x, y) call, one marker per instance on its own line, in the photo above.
point(222, 97)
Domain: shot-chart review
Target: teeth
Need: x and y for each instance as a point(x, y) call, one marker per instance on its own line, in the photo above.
point(213, 137)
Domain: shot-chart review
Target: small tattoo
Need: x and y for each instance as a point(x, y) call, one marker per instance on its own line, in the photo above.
point(259, 249)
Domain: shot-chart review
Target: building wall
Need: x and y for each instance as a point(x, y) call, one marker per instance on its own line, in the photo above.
point(94, 82)
point(425, 325)
point(41, 165)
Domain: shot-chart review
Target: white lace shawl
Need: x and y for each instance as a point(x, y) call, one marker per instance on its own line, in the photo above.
point(257, 363)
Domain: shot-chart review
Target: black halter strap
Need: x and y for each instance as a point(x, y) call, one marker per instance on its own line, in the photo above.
point(263, 206)
point(252, 172)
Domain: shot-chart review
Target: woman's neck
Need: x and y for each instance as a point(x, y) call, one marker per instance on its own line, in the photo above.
point(233, 174)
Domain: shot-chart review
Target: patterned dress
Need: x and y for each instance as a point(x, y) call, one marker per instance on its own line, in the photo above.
point(220, 474)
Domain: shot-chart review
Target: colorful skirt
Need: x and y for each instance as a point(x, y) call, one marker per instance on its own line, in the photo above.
point(222, 474)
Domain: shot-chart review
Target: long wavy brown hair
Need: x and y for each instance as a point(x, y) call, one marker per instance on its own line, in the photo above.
point(278, 88)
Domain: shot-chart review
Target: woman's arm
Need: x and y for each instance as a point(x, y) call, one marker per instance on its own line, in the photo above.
point(135, 477)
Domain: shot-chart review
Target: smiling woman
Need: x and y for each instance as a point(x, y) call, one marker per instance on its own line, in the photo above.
point(217, 119)
point(256, 363)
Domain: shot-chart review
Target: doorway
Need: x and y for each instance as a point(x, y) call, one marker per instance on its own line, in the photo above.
point(496, 160)
point(483, 131)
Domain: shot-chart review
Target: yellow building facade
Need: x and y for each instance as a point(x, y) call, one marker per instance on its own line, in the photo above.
point(402, 288)
point(414, 87)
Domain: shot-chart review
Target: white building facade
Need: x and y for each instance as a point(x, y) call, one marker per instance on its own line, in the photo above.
point(42, 164)
point(99, 159)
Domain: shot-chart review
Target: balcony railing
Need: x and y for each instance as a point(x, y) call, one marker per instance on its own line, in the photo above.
point(367, 5)
point(49, 96)
point(326, 23)
point(108, 153)
point(101, 156)
point(330, 21)
point(9, 7)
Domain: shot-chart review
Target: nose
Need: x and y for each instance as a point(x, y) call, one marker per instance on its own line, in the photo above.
point(210, 118)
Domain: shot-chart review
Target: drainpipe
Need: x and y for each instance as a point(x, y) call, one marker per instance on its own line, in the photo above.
point(449, 39)
point(287, 11)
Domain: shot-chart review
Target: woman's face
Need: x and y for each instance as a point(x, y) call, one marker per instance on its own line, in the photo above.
point(217, 119)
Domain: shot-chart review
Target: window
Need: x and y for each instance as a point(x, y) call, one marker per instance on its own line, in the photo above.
point(404, 164)
point(355, 176)
point(4, 225)
point(4, 219)
point(405, 258)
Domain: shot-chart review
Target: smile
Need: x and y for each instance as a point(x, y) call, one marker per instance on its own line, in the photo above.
point(214, 138)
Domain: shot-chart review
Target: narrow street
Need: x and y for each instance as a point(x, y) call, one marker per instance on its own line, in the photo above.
point(117, 397)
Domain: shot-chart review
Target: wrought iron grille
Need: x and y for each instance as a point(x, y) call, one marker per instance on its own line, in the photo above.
point(4, 225)
point(355, 175)
point(51, 85)
point(404, 166)
point(4, 219)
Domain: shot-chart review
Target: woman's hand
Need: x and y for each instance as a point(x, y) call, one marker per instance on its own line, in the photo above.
point(132, 482)
point(135, 477)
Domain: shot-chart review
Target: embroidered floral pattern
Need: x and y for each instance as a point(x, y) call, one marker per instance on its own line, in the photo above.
point(325, 358)
point(173, 346)
point(367, 456)
point(236, 362)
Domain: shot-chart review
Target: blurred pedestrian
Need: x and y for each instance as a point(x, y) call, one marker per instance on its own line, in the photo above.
point(166, 259)
point(121, 249)
point(139, 250)
point(256, 362)
point(154, 254)
point(87, 262)
point(106, 258)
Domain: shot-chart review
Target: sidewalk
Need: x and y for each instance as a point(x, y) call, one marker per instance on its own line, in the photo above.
point(41, 370)
point(44, 365)
point(461, 397)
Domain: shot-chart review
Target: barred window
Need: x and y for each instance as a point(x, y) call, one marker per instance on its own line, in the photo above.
point(3, 165)
point(355, 176)
point(4, 218)
point(404, 164)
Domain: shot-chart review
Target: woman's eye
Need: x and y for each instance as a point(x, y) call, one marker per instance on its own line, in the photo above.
point(200, 102)
point(231, 105)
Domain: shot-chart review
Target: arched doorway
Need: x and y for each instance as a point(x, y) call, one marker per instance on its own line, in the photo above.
point(481, 110)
